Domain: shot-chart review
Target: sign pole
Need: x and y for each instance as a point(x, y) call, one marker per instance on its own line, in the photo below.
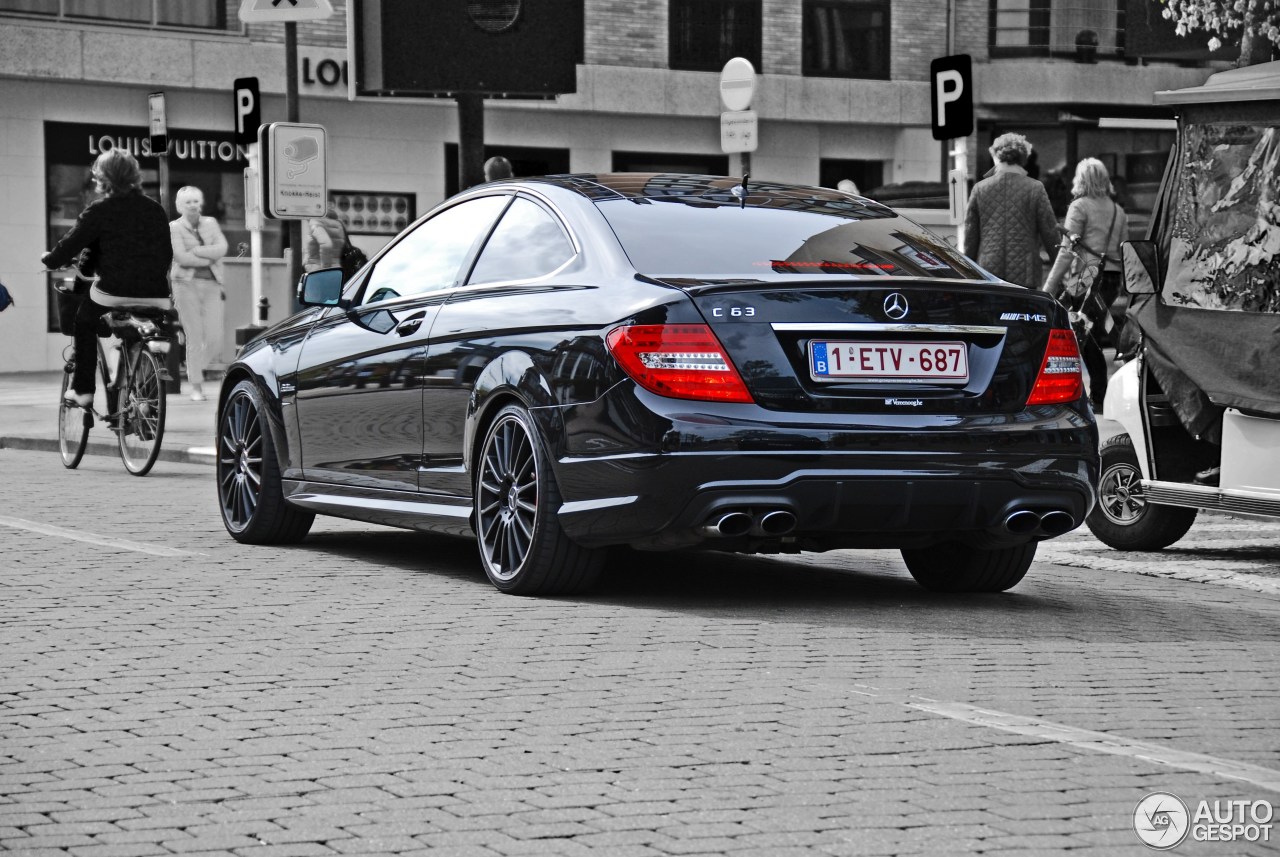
point(253, 218)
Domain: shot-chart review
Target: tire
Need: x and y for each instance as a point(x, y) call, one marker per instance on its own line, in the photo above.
point(250, 494)
point(73, 426)
point(957, 567)
point(141, 413)
point(1123, 518)
point(523, 549)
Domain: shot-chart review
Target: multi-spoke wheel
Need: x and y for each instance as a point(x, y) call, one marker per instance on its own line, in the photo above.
point(522, 547)
point(1123, 518)
point(73, 425)
point(250, 494)
point(956, 567)
point(140, 420)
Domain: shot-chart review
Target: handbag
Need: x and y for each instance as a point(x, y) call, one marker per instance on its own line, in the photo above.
point(1081, 286)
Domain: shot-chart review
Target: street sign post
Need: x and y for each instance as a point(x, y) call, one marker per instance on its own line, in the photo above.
point(951, 104)
point(739, 131)
point(248, 110)
point(259, 11)
point(951, 109)
point(739, 127)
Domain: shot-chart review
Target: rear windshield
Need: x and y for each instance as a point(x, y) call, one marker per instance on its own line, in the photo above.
point(708, 239)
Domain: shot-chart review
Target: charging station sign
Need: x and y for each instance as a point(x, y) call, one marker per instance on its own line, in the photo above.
point(295, 173)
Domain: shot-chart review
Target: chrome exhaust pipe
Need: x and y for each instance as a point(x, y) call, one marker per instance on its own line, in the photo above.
point(779, 522)
point(727, 525)
point(1023, 522)
point(1056, 523)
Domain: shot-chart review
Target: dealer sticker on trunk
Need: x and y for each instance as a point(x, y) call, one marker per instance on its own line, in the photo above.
point(889, 362)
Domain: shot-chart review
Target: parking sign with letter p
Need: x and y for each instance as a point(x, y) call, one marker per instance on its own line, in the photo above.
point(248, 110)
point(951, 96)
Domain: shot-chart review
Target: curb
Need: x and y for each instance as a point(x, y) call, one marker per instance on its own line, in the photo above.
point(190, 455)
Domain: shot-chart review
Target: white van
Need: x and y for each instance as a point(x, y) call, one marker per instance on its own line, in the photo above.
point(1200, 402)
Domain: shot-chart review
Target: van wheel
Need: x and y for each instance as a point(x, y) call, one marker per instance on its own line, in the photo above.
point(957, 567)
point(1123, 518)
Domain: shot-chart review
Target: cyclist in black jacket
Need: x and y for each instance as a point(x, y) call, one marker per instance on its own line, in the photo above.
point(127, 237)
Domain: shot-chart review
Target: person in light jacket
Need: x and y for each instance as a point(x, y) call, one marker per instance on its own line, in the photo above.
point(1095, 224)
point(196, 275)
point(324, 240)
point(1009, 219)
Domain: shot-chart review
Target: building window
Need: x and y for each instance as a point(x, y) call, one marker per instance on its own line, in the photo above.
point(705, 34)
point(202, 14)
point(1082, 29)
point(846, 38)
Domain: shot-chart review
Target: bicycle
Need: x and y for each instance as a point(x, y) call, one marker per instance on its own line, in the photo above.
point(134, 392)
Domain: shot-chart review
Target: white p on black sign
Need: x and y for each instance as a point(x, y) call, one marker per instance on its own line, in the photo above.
point(951, 96)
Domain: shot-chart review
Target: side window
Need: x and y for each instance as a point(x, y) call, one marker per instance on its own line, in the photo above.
point(528, 243)
point(430, 257)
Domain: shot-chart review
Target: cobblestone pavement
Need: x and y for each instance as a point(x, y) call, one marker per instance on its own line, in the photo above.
point(165, 690)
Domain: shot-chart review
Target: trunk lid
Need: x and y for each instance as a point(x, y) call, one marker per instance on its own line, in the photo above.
point(884, 345)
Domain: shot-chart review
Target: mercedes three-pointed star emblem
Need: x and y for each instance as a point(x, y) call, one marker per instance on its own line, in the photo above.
point(895, 306)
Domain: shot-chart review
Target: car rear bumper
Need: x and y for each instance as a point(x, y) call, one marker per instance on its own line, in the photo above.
point(675, 500)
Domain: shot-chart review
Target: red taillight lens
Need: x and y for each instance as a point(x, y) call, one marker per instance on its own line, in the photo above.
point(1059, 379)
point(683, 361)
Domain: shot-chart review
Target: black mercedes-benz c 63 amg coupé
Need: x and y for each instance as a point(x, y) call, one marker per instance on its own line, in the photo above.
point(559, 365)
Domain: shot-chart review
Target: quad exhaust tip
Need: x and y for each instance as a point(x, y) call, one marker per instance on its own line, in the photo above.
point(1025, 522)
point(772, 523)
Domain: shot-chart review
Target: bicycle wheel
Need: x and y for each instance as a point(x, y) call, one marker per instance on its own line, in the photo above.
point(73, 425)
point(142, 407)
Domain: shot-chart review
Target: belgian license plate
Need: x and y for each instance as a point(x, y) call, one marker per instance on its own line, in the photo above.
point(939, 362)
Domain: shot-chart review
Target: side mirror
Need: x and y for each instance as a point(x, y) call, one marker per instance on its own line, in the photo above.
point(1141, 263)
point(321, 288)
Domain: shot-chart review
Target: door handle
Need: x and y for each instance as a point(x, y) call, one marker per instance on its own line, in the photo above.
point(411, 324)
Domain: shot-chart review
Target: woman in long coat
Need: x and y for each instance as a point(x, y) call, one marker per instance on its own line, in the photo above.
point(1009, 219)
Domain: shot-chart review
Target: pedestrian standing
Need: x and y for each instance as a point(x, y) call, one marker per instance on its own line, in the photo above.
point(1009, 219)
point(198, 248)
point(1094, 227)
point(326, 236)
point(128, 250)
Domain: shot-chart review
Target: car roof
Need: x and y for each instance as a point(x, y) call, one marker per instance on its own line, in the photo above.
point(708, 190)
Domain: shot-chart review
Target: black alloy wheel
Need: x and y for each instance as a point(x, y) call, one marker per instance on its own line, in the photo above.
point(250, 494)
point(523, 548)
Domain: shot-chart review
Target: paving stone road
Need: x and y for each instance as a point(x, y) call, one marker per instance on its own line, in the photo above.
point(165, 690)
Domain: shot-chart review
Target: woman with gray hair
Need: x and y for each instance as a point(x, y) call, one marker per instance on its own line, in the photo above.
point(1009, 219)
point(1094, 227)
point(198, 248)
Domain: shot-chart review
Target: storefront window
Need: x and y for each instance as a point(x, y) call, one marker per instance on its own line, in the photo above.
point(209, 160)
point(1225, 248)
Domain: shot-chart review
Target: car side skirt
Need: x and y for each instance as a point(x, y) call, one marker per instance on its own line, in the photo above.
point(435, 513)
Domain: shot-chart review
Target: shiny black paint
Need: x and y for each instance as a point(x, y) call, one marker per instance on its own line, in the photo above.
point(648, 470)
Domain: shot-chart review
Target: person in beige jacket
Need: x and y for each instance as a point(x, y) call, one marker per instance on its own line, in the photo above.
point(196, 278)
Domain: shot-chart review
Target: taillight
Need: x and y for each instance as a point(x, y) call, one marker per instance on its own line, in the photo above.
point(1059, 379)
point(683, 361)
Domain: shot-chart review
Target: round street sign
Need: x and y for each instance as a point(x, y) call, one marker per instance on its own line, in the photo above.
point(737, 84)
